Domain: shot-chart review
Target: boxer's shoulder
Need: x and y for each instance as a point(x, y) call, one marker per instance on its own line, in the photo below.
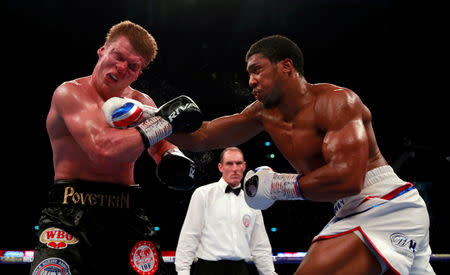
point(333, 102)
point(71, 88)
point(326, 91)
point(72, 95)
point(254, 110)
point(78, 83)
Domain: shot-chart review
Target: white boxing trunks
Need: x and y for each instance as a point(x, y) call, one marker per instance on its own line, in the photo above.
point(391, 219)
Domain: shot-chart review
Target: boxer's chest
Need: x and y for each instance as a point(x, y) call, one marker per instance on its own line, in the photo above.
point(299, 139)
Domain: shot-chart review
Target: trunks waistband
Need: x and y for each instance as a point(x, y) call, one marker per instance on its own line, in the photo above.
point(379, 174)
point(81, 193)
point(378, 183)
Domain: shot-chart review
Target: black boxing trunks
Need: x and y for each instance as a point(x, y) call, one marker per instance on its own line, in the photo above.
point(96, 228)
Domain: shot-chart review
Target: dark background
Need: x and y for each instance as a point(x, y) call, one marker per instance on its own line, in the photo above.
point(379, 49)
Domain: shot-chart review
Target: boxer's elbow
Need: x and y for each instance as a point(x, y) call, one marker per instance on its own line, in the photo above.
point(352, 189)
point(351, 185)
point(348, 183)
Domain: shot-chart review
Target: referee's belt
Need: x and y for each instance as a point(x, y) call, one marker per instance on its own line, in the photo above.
point(95, 194)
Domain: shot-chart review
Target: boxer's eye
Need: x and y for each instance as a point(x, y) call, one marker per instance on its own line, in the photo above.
point(133, 67)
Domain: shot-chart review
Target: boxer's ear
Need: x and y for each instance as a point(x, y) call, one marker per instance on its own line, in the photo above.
point(100, 51)
point(286, 65)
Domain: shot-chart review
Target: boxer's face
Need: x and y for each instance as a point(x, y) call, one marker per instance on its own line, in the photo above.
point(118, 65)
point(263, 79)
point(232, 167)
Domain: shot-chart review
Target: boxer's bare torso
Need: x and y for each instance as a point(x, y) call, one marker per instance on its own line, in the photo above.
point(323, 130)
point(84, 146)
point(300, 138)
point(79, 136)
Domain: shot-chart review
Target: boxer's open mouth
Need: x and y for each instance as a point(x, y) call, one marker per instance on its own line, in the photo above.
point(113, 77)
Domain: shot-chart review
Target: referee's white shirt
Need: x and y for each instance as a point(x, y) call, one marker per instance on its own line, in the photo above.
point(221, 226)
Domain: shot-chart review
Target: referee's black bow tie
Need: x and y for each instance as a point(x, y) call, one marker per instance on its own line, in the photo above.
point(235, 191)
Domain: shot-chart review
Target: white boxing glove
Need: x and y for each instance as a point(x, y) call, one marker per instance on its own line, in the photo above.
point(121, 112)
point(262, 187)
point(180, 114)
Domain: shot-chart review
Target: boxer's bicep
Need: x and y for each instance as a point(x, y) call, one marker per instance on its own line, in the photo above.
point(77, 120)
point(345, 146)
point(71, 110)
point(87, 126)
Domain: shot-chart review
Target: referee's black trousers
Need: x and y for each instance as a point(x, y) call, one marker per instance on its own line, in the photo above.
point(222, 267)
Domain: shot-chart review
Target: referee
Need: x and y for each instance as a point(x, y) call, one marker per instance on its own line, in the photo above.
point(220, 229)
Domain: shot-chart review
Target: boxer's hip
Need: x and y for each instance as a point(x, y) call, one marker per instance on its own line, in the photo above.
point(97, 228)
point(380, 185)
point(77, 204)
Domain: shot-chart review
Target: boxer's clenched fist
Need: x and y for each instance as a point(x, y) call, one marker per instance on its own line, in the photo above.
point(262, 187)
point(180, 114)
point(126, 112)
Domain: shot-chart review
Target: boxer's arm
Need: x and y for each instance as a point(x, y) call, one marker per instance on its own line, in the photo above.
point(345, 149)
point(157, 150)
point(173, 167)
point(87, 126)
point(223, 131)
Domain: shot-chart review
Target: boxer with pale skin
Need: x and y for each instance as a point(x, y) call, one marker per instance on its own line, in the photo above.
point(325, 132)
point(94, 198)
point(76, 124)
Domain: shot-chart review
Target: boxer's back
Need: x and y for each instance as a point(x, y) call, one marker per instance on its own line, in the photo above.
point(75, 115)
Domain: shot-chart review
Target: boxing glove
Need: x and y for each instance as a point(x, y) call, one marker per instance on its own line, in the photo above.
point(180, 114)
point(262, 187)
point(176, 170)
point(123, 112)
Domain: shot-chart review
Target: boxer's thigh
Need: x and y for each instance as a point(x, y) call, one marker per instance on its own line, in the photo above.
point(68, 260)
point(345, 254)
point(58, 248)
point(136, 250)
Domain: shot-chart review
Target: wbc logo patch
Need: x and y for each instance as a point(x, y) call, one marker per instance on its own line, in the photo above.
point(144, 258)
point(57, 238)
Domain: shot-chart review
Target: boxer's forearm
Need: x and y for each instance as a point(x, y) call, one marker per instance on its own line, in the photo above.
point(221, 132)
point(191, 141)
point(113, 145)
point(330, 183)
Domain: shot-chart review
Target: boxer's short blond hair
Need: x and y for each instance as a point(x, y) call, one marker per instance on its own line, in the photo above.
point(141, 40)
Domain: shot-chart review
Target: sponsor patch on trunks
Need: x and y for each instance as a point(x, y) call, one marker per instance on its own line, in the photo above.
point(57, 238)
point(54, 266)
point(400, 240)
point(144, 258)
